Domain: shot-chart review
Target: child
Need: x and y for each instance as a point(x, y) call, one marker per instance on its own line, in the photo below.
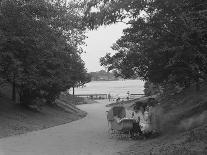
point(137, 116)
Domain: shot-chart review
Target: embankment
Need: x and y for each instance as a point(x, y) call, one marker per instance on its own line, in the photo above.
point(183, 124)
point(16, 119)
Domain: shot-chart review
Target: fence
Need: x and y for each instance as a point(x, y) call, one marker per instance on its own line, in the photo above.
point(105, 96)
point(93, 96)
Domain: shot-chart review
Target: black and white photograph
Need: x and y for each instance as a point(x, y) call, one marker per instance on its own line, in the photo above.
point(103, 77)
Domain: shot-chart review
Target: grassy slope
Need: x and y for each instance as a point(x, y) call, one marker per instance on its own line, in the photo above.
point(184, 126)
point(15, 119)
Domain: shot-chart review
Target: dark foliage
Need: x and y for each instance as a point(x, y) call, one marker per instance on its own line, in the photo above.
point(39, 48)
point(165, 41)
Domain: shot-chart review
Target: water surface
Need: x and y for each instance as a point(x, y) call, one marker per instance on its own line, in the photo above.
point(115, 88)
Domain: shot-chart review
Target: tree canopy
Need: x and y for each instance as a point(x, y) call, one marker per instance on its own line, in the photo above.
point(40, 47)
point(166, 41)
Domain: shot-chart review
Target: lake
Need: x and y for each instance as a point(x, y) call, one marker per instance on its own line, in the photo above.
point(115, 88)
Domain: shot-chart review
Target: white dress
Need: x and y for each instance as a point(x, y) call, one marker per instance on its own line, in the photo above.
point(145, 122)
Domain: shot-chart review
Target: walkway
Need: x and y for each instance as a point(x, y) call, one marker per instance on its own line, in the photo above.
point(87, 136)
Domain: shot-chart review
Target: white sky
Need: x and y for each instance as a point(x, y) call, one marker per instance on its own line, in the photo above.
point(99, 43)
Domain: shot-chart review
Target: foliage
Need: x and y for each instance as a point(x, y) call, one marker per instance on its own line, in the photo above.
point(165, 41)
point(151, 89)
point(40, 47)
point(102, 75)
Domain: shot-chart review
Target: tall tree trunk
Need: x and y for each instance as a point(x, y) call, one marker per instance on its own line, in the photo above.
point(20, 98)
point(73, 91)
point(14, 89)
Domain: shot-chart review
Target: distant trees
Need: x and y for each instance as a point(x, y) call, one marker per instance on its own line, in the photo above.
point(102, 75)
point(166, 41)
point(40, 47)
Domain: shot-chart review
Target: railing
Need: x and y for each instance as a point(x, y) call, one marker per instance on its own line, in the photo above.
point(105, 96)
point(93, 96)
point(132, 96)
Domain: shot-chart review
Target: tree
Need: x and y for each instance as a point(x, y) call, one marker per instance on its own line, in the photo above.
point(151, 89)
point(166, 40)
point(39, 47)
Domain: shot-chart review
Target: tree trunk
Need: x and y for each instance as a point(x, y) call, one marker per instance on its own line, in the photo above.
point(14, 90)
point(20, 98)
point(73, 91)
point(23, 96)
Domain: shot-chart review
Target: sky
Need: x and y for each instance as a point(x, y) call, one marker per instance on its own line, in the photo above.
point(99, 43)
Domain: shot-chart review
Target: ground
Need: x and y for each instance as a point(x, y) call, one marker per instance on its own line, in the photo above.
point(183, 126)
point(87, 136)
point(16, 119)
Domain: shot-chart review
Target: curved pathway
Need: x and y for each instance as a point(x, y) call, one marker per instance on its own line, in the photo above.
point(87, 136)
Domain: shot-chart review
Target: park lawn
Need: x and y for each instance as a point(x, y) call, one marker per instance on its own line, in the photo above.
point(15, 119)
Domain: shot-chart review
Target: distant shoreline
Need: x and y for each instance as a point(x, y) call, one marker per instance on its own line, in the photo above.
point(115, 80)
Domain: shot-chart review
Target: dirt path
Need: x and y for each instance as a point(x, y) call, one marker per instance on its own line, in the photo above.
point(87, 136)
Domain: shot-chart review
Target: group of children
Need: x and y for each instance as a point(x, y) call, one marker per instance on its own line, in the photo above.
point(143, 120)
